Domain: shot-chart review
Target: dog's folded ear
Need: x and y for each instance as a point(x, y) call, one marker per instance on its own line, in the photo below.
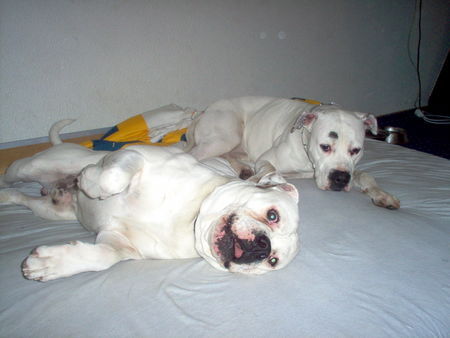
point(290, 189)
point(271, 178)
point(275, 181)
point(306, 118)
point(370, 122)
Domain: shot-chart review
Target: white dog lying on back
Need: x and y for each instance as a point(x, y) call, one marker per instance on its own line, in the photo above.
point(155, 202)
point(298, 138)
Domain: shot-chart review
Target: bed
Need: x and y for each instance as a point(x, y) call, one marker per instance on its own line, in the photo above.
point(361, 271)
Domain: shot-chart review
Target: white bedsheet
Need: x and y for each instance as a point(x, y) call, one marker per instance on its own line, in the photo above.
point(361, 271)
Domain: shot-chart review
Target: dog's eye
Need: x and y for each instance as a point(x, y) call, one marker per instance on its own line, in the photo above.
point(355, 151)
point(272, 216)
point(273, 261)
point(325, 147)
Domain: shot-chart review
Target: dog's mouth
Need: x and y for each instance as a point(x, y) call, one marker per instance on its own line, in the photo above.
point(231, 247)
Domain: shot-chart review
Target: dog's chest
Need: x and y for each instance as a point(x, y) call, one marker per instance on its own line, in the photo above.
point(159, 218)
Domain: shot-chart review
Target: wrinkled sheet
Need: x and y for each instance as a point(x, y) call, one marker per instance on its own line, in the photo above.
point(361, 271)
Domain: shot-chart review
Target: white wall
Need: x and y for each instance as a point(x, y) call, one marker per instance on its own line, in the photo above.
point(102, 61)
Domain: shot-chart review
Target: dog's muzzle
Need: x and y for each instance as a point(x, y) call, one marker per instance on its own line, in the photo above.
point(338, 179)
point(242, 251)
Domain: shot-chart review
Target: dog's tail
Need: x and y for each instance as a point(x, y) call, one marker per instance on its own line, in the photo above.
point(53, 134)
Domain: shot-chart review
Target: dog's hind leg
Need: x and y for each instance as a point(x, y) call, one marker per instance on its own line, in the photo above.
point(369, 186)
point(16, 172)
point(216, 133)
point(48, 207)
point(50, 165)
point(51, 262)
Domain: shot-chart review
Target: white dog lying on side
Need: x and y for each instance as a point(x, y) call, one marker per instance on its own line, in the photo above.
point(299, 139)
point(155, 202)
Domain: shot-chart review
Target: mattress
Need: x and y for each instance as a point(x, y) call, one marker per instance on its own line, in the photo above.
point(361, 271)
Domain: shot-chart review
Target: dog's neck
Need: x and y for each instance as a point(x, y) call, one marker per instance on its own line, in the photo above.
point(305, 135)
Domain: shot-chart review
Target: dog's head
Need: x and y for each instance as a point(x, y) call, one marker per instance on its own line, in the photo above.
point(248, 228)
point(335, 143)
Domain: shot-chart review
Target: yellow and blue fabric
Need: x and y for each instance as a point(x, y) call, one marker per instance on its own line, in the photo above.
point(133, 131)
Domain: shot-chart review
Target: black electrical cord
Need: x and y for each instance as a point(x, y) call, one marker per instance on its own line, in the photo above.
point(419, 41)
point(435, 119)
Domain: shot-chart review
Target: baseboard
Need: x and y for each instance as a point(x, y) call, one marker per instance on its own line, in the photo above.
point(44, 139)
point(13, 151)
point(402, 112)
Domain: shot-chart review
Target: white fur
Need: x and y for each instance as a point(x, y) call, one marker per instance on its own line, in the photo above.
point(149, 202)
point(289, 134)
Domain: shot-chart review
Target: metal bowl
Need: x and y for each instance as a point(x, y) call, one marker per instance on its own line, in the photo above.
point(396, 135)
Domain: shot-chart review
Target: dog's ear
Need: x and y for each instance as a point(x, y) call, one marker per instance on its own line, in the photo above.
point(290, 189)
point(306, 118)
point(271, 178)
point(275, 181)
point(370, 122)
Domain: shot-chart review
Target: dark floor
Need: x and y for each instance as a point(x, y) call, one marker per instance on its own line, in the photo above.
point(422, 136)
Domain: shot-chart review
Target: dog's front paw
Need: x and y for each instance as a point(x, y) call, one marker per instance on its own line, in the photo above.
point(385, 200)
point(47, 263)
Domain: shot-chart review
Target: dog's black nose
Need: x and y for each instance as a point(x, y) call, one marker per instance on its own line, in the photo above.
point(255, 250)
point(338, 179)
point(262, 246)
